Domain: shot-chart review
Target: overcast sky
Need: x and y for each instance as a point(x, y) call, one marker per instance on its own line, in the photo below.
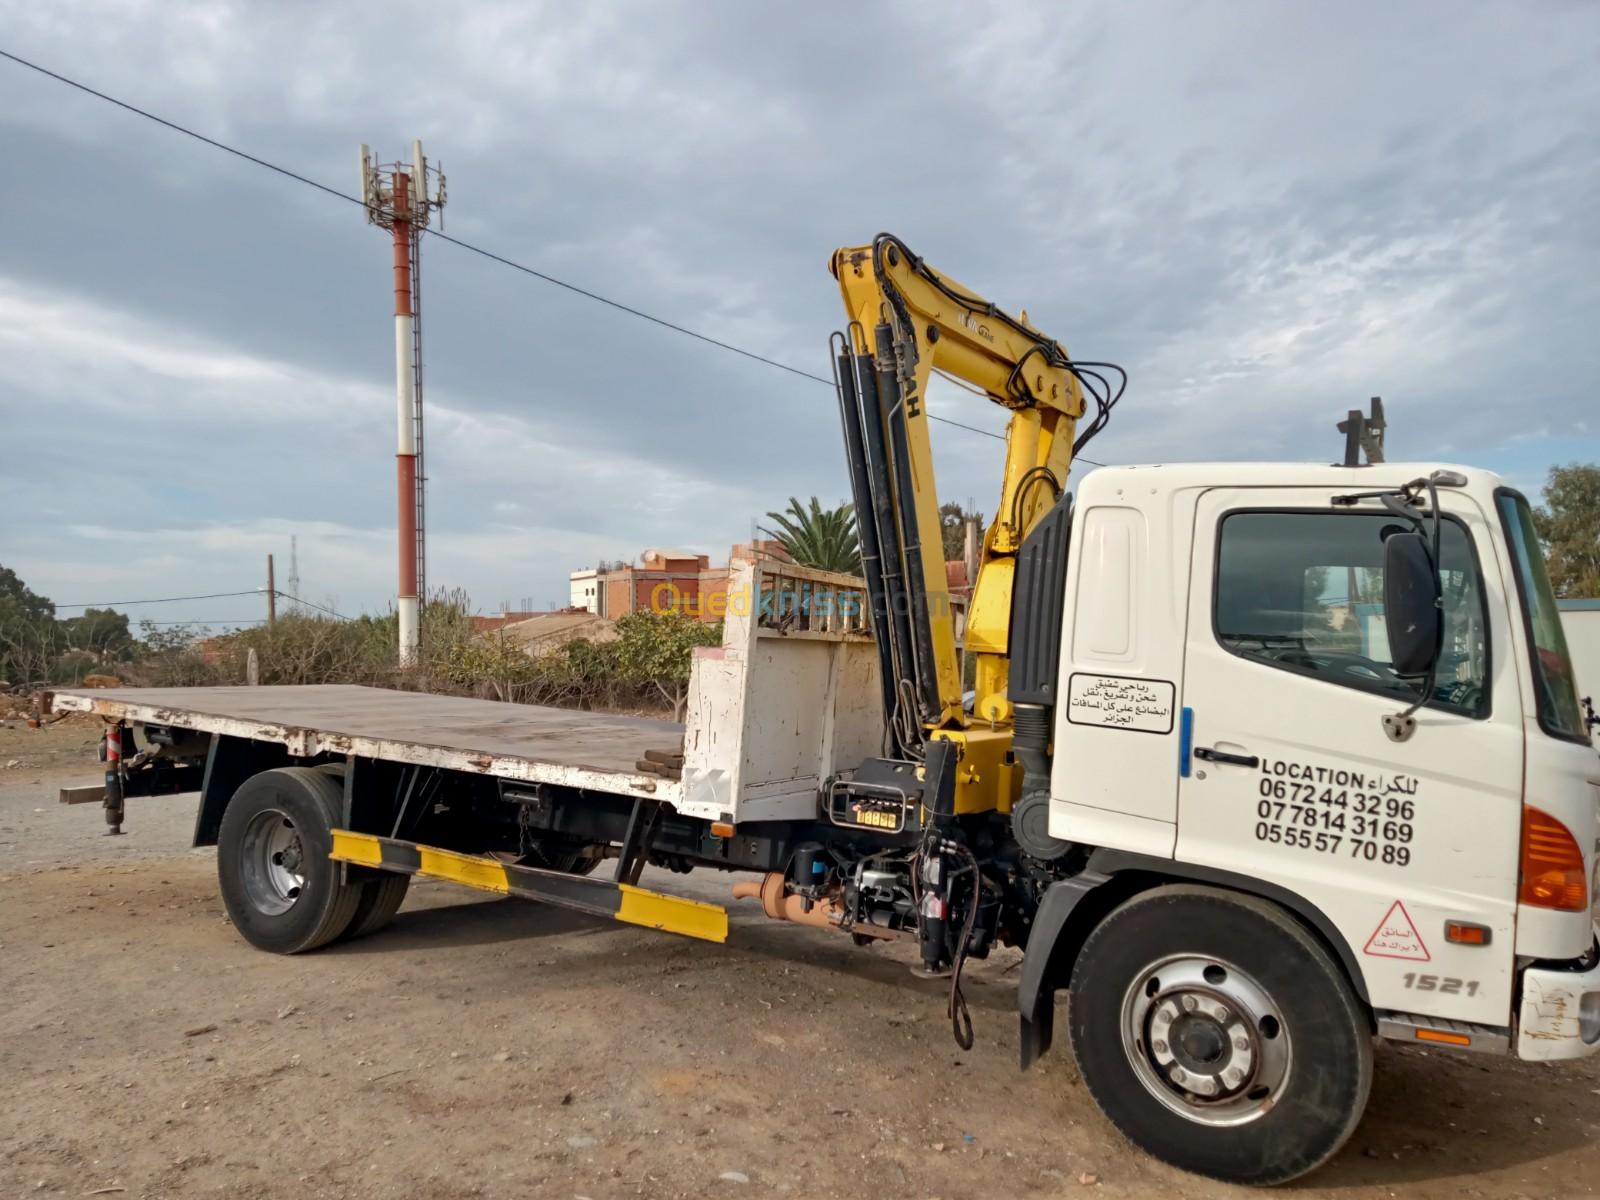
point(1266, 212)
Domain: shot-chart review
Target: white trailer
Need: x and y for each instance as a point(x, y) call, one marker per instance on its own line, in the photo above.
point(1310, 771)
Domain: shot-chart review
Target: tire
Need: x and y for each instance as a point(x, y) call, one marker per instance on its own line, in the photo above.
point(566, 857)
point(380, 900)
point(1266, 1063)
point(578, 865)
point(282, 891)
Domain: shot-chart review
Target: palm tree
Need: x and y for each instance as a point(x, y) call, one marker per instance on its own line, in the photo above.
point(822, 538)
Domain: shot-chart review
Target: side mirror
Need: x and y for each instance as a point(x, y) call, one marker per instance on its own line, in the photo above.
point(1411, 603)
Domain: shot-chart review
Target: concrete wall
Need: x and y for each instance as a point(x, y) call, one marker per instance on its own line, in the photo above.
point(1580, 621)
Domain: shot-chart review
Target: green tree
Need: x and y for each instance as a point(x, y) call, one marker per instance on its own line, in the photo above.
point(953, 528)
point(654, 649)
point(172, 656)
point(28, 635)
point(1569, 527)
point(101, 633)
point(817, 537)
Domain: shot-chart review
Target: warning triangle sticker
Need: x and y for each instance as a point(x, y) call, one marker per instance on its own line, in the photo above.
point(1397, 937)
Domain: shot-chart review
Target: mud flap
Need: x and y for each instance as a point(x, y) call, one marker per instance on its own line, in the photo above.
point(1036, 991)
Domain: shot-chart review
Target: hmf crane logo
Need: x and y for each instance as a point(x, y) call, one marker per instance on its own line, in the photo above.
point(970, 322)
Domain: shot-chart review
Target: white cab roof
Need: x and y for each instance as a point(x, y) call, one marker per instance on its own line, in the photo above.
point(1107, 481)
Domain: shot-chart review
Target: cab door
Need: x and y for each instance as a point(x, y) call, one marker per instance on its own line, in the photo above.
point(1291, 777)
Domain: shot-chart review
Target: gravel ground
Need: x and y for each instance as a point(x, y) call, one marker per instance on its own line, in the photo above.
point(493, 1048)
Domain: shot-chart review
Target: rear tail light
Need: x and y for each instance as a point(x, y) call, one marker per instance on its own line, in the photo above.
point(1552, 865)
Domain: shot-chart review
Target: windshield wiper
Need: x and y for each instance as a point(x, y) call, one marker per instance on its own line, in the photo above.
point(1298, 639)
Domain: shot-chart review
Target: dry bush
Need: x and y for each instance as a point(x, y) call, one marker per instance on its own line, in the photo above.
point(646, 669)
point(303, 648)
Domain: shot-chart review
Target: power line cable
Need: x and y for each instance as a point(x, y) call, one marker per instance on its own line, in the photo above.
point(176, 128)
point(465, 245)
point(207, 596)
point(628, 308)
point(211, 621)
point(164, 599)
point(308, 604)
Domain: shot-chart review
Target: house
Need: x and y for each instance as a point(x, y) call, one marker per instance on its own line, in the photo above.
point(664, 581)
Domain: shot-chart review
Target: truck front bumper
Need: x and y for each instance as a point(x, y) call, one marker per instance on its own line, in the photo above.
point(1560, 1014)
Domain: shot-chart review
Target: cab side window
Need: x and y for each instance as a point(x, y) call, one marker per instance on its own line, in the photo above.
point(1303, 592)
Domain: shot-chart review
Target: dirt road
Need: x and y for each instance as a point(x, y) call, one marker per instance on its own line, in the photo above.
point(493, 1048)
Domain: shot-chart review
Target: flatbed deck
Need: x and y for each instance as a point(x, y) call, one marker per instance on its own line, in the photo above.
point(597, 751)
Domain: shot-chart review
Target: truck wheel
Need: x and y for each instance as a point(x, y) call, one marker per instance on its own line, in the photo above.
point(1218, 1035)
point(569, 858)
point(380, 900)
point(282, 891)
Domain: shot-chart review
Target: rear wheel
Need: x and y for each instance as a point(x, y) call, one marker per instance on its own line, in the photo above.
point(559, 854)
point(380, 900)
point(282, 891)
point(380, 897)
point(1219, 1035)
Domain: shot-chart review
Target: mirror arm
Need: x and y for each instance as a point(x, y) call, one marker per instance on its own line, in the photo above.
point(1401, 725)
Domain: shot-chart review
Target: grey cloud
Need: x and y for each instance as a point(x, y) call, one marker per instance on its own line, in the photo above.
point(1265, 212)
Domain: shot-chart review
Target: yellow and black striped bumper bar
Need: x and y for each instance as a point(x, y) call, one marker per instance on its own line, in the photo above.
point(598, 897)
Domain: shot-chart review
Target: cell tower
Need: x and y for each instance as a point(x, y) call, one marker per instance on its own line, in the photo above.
point(398, 198)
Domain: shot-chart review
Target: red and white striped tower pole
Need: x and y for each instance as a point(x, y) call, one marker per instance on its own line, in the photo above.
point(397, 198)
point(405, 412)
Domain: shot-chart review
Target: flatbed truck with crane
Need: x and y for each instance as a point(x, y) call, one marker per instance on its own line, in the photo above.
point(1261, 762)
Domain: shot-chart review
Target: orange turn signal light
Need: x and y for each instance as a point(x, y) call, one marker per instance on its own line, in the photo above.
point(1552, 865)
point(1439, 1035)
point(721, 829)
point(1465, 933)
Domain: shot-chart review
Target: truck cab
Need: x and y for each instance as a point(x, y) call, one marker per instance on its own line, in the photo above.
point(1224, 679)
point(1228, 721)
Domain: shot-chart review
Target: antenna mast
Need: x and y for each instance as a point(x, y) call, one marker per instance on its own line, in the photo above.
point(398, 198)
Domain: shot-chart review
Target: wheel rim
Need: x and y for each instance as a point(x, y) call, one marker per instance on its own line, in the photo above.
point(1206, 1040)
point(273, 861)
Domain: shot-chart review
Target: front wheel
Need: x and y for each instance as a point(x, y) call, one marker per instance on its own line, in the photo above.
point(1219, 1035)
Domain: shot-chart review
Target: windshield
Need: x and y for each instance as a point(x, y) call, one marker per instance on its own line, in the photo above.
point(1303, 590)
point(1553, 685)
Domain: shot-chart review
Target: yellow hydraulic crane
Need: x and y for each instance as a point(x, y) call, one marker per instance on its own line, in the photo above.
point(907, 321)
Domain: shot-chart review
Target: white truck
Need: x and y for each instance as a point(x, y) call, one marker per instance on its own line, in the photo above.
point(1259, 873)
point(1259, 764)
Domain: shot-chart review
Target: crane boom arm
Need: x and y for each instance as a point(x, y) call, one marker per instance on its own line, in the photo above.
point(907, 321)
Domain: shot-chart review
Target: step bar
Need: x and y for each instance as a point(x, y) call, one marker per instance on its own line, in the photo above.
point(597, 897)
point(1440, 1031)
